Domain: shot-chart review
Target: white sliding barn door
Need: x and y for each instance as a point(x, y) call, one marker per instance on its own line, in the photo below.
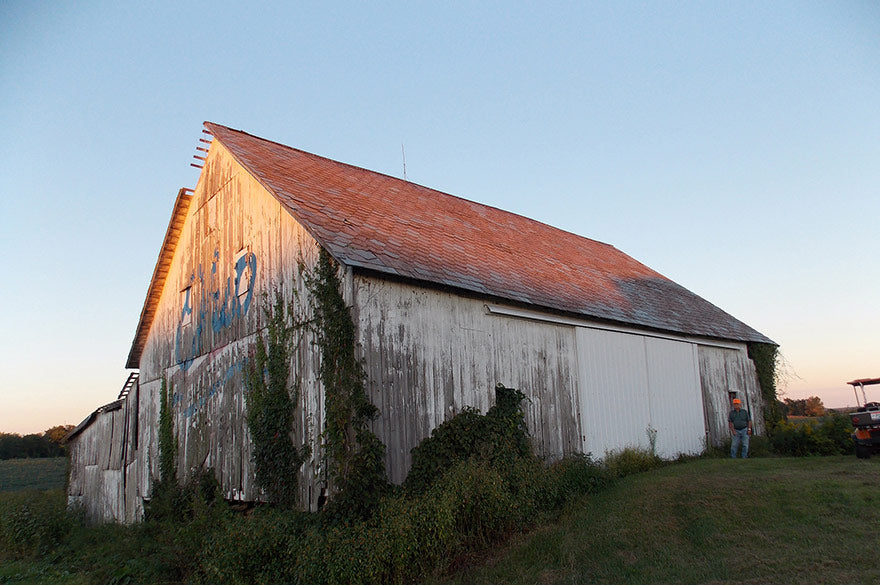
point(676, 402)
point(630, 382)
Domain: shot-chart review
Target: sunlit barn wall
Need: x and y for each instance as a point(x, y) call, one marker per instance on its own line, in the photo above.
point(236, 249)
point(103, 455)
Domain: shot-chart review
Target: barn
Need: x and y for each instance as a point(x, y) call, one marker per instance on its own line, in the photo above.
point(448, 297)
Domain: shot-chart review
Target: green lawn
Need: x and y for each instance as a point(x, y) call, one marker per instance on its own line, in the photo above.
point(775, 520)
point(707, 521)
point(33, 474)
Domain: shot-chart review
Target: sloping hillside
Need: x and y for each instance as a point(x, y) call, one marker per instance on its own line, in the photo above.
point(785, 520)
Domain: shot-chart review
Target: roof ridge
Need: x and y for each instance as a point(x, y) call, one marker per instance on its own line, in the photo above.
point(209, 125)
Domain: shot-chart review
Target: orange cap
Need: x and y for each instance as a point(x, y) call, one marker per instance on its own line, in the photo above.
point(737, 401)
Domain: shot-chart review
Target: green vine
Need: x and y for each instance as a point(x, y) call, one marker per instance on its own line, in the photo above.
point(270, 408)
point(168, 498)
point(766, 358)
point(355, 456)
point(167, 442)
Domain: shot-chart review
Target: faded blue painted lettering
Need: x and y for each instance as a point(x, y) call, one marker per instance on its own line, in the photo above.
point(200, 399)
point(225, 304)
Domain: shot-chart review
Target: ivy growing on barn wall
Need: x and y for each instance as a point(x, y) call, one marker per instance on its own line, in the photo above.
point(167, 441)
point(167, 499)
point(354, 453)
point(766, 358)
point(271, 402)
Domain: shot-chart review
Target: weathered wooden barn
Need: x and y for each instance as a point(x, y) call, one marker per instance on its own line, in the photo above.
point(448, 296)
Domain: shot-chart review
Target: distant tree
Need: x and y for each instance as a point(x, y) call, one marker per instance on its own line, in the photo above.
point(15, 446)
point(57, 434)
point(796, 407)
point(814, 407)
point(811, 406)
point(9, 445)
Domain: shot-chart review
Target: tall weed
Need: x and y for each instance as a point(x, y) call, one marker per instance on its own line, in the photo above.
point(631, 460)
point(33, 523)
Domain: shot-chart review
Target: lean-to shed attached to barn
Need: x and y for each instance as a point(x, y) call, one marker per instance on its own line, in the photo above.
point(448, 297)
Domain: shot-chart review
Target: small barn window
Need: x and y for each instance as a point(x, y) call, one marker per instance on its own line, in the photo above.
point(186, 311)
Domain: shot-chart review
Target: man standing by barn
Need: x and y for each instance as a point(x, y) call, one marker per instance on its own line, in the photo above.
point(740, 423)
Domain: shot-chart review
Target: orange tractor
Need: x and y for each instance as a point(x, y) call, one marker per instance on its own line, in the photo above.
point(866, 420)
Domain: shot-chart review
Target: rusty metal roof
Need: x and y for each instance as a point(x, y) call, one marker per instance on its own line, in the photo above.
point(372, 221)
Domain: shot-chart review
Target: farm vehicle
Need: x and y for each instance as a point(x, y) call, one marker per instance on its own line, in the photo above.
point(865, 420)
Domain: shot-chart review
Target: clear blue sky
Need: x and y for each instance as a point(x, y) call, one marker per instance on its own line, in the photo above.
point(733, 147)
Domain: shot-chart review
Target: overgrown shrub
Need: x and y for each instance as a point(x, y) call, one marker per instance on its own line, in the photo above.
point(259, 548)
point(631, 460)
point(830, 435)
point(573, 476)
point(499, 435)
point(168, 499)
point(183, 502)
point(478, 480)
point(838, 428)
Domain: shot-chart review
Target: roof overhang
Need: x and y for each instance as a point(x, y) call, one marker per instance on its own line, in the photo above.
point(160, 274)
point(115, 405)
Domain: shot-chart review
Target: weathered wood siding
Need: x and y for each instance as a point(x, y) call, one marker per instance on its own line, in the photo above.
point(430, 353)
point(724, 371)
point(101, 465)
point(237, 248)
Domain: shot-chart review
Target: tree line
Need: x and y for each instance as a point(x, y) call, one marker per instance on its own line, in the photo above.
point(811, 406)
point(49, 443)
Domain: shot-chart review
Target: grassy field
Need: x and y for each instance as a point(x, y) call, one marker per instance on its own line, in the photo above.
point(33, 474)
point(791, 520)
point(706, 521)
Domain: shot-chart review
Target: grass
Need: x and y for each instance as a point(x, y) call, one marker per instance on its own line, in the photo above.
point(776, 520)
point(33, 474)
point(708, 521)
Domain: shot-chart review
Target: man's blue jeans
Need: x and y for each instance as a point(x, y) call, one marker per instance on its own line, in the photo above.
point(740, 436)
